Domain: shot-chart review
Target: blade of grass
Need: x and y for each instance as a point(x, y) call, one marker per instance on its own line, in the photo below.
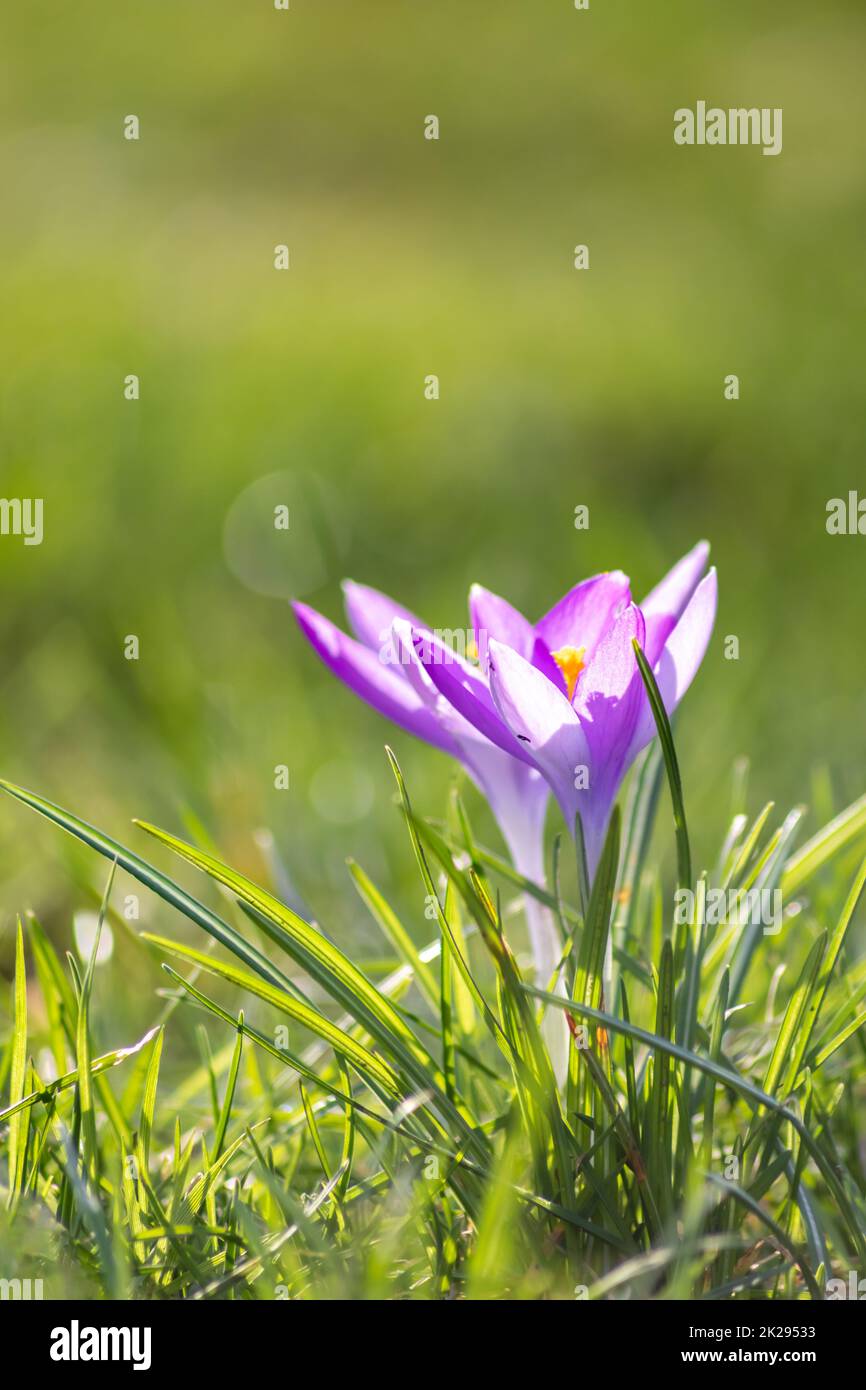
point(370, 1066)
point(732, 1079)
point(228, 1098)
point(395, 933)
point(662, 723)
point(815, 853)
point(18, 1072)
point(828, 964)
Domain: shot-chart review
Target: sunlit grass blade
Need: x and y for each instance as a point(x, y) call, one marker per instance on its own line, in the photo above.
point(336, 974)
point(828, 841)
point(370, 1066)
point(762, 879)
point(56, 993)
point(498, 1228)
point(18, 1070)
point(395, 933)
point(748, 846)
point(148, 1104)
point(591, 954)
point(82, 1044)
point(824, 1053)
point(286, 1058)
point(658, 1143)
point(788, 1046)
point(828, 965)
point(755, 1096)
point(758, 1210)
point(684, 857)
point(47, 1089)
point(319, 956)
point(315, 1133)
point(228, 1098)
point(593, 944)
point(448, 974)
point(445, 926)
point(717, 1036)
point(164, 887)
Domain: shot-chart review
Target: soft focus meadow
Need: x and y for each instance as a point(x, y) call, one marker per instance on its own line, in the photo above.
point(558, 388)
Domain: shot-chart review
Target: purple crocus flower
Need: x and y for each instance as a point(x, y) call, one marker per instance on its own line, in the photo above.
point(382, 665)
point(568, 689)
point(559, 704)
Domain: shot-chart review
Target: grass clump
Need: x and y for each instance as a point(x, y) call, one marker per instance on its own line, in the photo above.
point(402, 1131)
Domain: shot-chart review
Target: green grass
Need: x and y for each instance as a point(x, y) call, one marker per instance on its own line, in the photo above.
point(398, 1131)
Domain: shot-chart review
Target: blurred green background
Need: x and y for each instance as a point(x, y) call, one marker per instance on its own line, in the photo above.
point(410, 257)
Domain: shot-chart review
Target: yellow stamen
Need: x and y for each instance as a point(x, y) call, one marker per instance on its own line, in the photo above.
point(570, 662)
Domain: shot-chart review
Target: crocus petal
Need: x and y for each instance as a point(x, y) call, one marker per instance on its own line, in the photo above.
point(381, 685)
point(582, 617)
point(544, 662)
point(494, 619)
point(682, 655)
point(515, 790)
point(672, 593)
point(518, 796)
point(371, 614)
point(541, 718)
point(687, 645)
point(609, 699)
point(665, 605)
point(410, 664)
point(466, 690)
point(613, 667)
point(474, 746)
